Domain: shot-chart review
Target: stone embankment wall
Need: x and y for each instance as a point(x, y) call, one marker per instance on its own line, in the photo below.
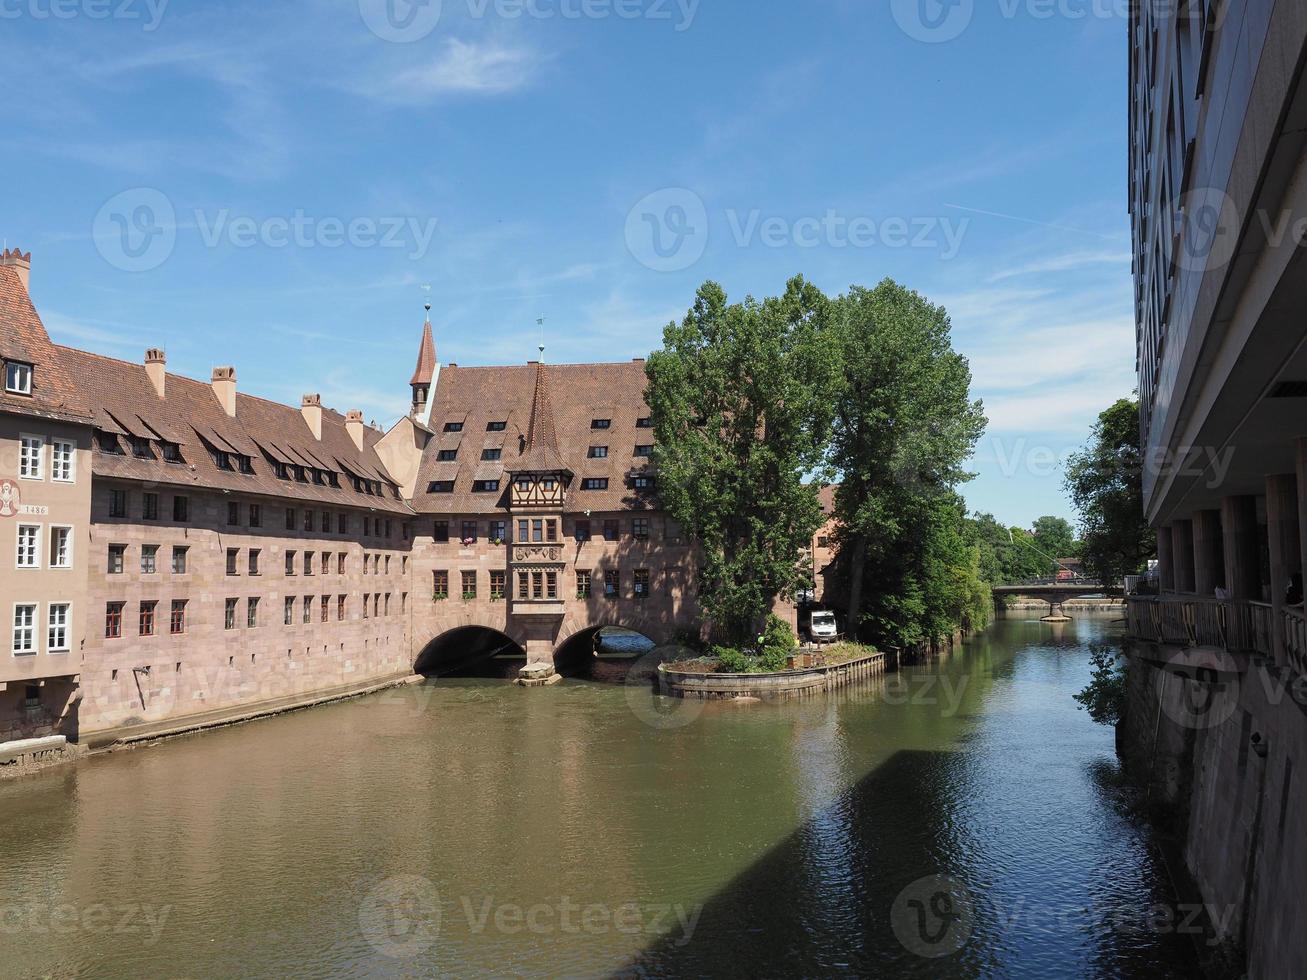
point(787, 684)
point(1217, 762)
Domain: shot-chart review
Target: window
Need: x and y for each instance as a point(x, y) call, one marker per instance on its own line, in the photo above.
point(233, 561)
point(523, 486)
point(537, 530)
point(365, 605)
point(117, 503)
point(551, 585)
point(290, 518)
point(598, 452)
point(601, 423)
point(388, 564)
point(640, 528)
point(440, 486)
point(340, 563)
point(172, 453)
point(288, 611)
point(252, 612)
point(149, 559)
point(29, 545)
point(440, 584)
point(582, 531)
point(492, 455)
point(306, 609)
point(150, 506)
point(644, 451)
point(254, 561)
point(643, 483)
point(326, 522)
point(61, 547)
point(453, 426)
point(108, 443)
point(18, 378)
point(326, 563)
point(367, 527)
point(441, 531)
point(446, 455)
point(469, 585)
point(537, 585)
point(823, 542)
point(641, 580)
point(140, 447)
point(24, 635)
point(114, 565)
point(485, 486)
point(179, 559)
point(63, 460)
point(308, 563)
point(497, 583)
point(496, 426)
point(308, 520)
point(31, 453)
point(611, 531)
point(498, 531)
point(593, 483)
point(56, 634)
point(324, 608)
point(469, 532)
point(646, 422)
point(290, 563)
point(583, 585)
point(147, 617)
point(177, 618)
point(612, 584)
point(340, 608)
point(551, 530)
point(342, 524)
point(256, 515)
point(113, 620)
point(181, 509)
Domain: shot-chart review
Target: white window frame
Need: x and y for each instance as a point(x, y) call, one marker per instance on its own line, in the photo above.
point(14, 627)
point(18, 546)
point(67, 626)
point(20, 390)
point(23, 439)
point(68, 563)
point(55, 446)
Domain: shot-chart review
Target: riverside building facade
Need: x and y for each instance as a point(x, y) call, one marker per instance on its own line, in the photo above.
point(1216, 696)
point(184, 552)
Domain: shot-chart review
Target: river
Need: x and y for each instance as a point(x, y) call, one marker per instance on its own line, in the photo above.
point(959, 819)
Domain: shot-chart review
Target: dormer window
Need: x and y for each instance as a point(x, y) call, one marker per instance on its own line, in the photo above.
point(279, 468)
point(446, 455)
point(141, 448)
point(598, 452)
point(453, 426)
point(18, 378)
point(644, 423)
point(440, 486)
point(221, 459)
point(246, 465)
point(172, 452)
point(523, 486)
point(109, 443)
point(496, 426)
point(601, 423)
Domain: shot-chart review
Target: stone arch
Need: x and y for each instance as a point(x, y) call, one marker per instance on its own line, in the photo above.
point(469, 647)
point(578, 622)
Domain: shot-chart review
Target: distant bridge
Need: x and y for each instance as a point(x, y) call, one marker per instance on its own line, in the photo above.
point(1056, 593)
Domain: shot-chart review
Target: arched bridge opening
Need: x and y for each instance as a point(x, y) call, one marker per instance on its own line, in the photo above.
point(471, 651)
point(600, 652)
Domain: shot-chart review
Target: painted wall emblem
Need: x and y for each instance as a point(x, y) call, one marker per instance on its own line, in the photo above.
point(9, 498)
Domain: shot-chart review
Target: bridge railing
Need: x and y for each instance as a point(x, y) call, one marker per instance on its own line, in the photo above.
point(1239, 627)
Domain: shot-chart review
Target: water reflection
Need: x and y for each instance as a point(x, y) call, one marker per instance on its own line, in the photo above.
point(560, 834)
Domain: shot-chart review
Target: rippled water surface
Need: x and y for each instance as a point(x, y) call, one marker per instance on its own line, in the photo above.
point(959, 819)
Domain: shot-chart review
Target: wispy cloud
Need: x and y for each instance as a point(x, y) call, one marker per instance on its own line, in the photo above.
point(1064, 263)
point(489, 67)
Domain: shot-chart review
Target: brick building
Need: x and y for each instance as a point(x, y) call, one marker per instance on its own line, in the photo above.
point(186, 551)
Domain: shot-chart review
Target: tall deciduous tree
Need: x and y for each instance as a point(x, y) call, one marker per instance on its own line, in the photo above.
point(740, 399)
point(905, 425)
point(1105, 481)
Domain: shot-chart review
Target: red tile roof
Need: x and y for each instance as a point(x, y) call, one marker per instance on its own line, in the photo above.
point(23, 338)
point(190, 415)
point(577, 394)
point(541, 455)
point(426, 368)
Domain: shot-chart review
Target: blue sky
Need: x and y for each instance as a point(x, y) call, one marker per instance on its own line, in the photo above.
point(271, 185)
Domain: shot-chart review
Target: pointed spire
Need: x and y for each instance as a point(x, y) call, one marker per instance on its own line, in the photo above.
point(426, 368)
point(541, 453)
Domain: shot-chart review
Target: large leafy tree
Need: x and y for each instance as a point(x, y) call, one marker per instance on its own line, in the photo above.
point(741, 407)
point(905, 425)
point(1105, 481)
point(1055, 538)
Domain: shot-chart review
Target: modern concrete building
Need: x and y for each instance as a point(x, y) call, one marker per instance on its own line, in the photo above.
point(1218, 200)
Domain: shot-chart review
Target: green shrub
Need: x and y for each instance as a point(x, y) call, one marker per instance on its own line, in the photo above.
point(778, 644)
point(733, 661)
point(1104, 697)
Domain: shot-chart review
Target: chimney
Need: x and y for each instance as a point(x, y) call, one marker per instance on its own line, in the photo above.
point(354, 426)
point(20, 263)
point(224, 386)
point(156, 369)
point(311, 406)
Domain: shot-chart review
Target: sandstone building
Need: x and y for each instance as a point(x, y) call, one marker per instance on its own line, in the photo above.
point(185, 551)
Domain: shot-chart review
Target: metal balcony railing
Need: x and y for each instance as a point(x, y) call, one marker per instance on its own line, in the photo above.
point(1238, 627)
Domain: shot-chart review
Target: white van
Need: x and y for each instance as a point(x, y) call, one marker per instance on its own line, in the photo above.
point(822, 627)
